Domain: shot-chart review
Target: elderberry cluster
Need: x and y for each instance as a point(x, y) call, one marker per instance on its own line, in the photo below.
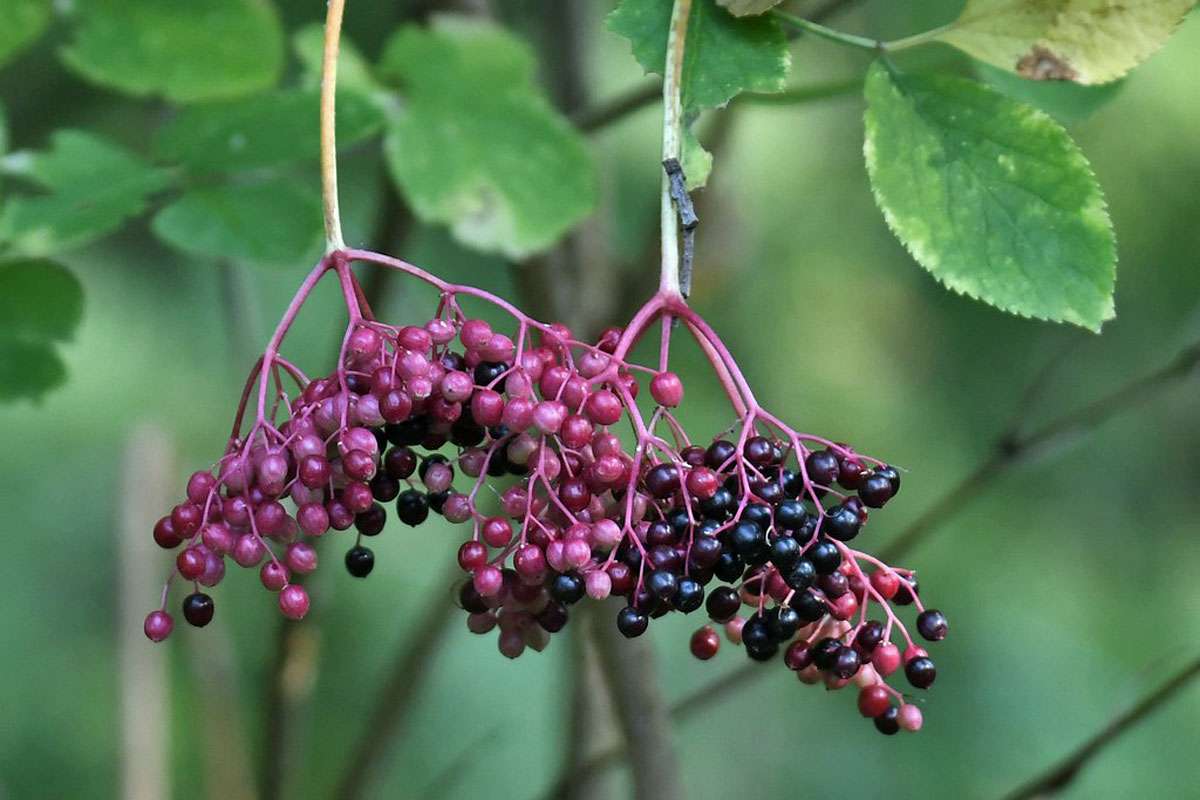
point(518, 437)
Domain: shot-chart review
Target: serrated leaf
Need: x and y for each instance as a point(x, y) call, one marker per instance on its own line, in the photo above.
point(354, 71)
point(1066, 101)
point(1086, 41)
point(991, 196)
point(695, 161)
point(40, 300)
point(748, 8)
point(477, 147)
point(723, 55)
point(184, 51)
point(274, 223)
point(41, 303)
point(23, 22)
point(93, 186)
point(261, 131)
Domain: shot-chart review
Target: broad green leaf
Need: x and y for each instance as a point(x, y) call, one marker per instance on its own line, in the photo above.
point(1066, 101)
point(477, 146)
point(185, 51)
point(748, 8)
point(41, 304)
point(93, 187)
point(1086, 41)
point(28, 370)
point(21, 23)
point(261, 131)
point(991, 196)
point(39, 300)
point(695, 160)
point(354, 71)
point(274, 223)
point(723, 55)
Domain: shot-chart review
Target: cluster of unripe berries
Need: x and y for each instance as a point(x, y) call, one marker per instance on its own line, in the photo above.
point(419, 420)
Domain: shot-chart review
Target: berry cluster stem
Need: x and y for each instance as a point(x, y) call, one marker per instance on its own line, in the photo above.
point(672, 133)
point(329, 190)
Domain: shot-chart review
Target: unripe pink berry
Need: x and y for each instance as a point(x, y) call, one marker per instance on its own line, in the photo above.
point(488, 581)
point(574, 392)
point(357, 497)
point(599, 585)
point(158, 625)
point(555, 555)
point(395, 406)
point(511, 643)
point(497, 531)
point(441, 331)
point(214, 569)
point(549, 416)
point(873, 701)
point(293, 601)
point(481, 623)
point(576, 552)
point(666, 389)
point(198, 488)
point(487, 406)
point(886, 659)
point(273, 575)
point(420, 387)
point(606, 534)
point(218, 538)
point(301, 557)
point(457, 508)
point(844, 606)
point(914, 651)
point(529, 561)
point(190, 563)
point(733, 629)
point(358, 439)
point(248, 550)
point(518, 414)
point(576, 431)
point(366, 411)
point(498, 348)
point(592, 363)
point(410, 337)
point(457, 386)
point(438, 477)
point(313, 519)
point(363, 344)
point(910, 718)
point(521, 448)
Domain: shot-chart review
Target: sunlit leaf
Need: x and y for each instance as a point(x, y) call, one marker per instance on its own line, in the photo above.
point(22, 22)
point(991, 196)
point(748, 8)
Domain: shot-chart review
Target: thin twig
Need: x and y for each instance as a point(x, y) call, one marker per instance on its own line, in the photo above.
point(395, 699)
point(672, 135)
point(329, 188)
point(1061, 774)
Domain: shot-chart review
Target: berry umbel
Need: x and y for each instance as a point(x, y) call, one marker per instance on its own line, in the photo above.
point(513, 434)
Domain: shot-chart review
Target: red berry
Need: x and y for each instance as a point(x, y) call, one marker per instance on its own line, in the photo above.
point(873, 701)
point(705, 643)
point(667, 389)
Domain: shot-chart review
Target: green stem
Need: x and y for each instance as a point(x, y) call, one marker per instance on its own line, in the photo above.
point(672, 134)
point(861, 42)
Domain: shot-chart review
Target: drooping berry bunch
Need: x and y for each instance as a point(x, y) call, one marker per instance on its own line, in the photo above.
point(518, 437)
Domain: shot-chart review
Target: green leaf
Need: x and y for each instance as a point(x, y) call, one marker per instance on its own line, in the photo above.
point(261, 131)
point(1066, 101)
point(991, 196)
point(477, 146)
point(274, 223)
point(185, 51)
point(93, 186)
point(748, 8)
point(695, 160)
point(723, 55)
point(41, 303)
point(1086, 41)
point(354, 71)
point(23, 22)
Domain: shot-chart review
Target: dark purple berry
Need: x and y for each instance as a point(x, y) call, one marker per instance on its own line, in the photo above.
point(920, 672)
point(723, 603)
point(360, 561)
point(631, 622)
point(888, 723)
point(198, 609)
point(932, 625)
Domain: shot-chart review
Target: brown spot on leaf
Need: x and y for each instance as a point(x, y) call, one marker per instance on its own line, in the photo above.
point(1041, 64)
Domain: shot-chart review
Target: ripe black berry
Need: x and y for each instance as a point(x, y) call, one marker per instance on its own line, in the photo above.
point(888, 723)
point(746, 538)
point(785, 551)
point(729, 567)
point(893, 476)
point(488, 371)
point(360, 561)
point(790, 515)
point(663, 584)
point(759, 514)
point(846, 663)
point(412, 507)
point(875, 490)
point(908, 591)
point(399, 462)
point(470, 599)
point(705, 552)
point(553, 617)
point(841, 523)
point(631, 622)
point(723, 603)
point(756, 633)
point(384, 487)
point(869, 636)
point(719, 505)
point(920, 672)
point(371, 521)
point(825, 556)
point(762, 652)
point(822, 467)
point(689, 595)
point(801, 576)
point(932, 625)
point(718, 453)
point(411, 431)
point(783, 622)
point(809, 605)
point(825, 652)
point(198, 609)
point(567, 588)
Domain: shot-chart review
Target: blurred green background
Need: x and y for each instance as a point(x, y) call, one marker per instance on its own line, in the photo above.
point(1070, 583)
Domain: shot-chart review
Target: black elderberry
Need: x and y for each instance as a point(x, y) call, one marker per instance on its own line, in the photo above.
point(729, 567)
point(453, 362)
point(708, 527)
point(771, 493)
point(553, 617)
point(665, 556)
point(762, 652)
point(399, 462)
point(846, 663)
point(893, 476)
point(381, 441)
point(783, 622)
point(756, 633)
point(723, 604)
point(488, 371)
point(809, 605)
point(678, 519)
point(437, 500)
point(371, 521)
point(825, 652)
point(791, 482)
point(875, 490)
point(359, 384)
point(663, 584)
point(429, 461)
point(408, 433)
point(497, 463)
point(851, 473)
point(567, 588)
point(785, 551)
point(825, 556)
point(718, 453)
point(630, 556)
point(384, 487)
point(631, 622)
point(412, 507)
point(920, 672)
point(834, 585)
point(662, 480)
point(465, 433)
point(869, 636)
point(822, 467)
point(759, 514)
point(908, 591)
point(791, 515)
point(469, 598)
point(705, 552)
point(689, 595)
point(360, 561)
point(932, 625)
point(801, 575)
point(198, 609)
point(746, 537)
point(888, 723)
point(660, 532)
point(498, 432)
point(841, 523)
point(758, 450)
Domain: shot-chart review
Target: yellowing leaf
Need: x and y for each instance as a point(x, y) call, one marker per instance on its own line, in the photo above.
point(748, 8)
point(1086, 41)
